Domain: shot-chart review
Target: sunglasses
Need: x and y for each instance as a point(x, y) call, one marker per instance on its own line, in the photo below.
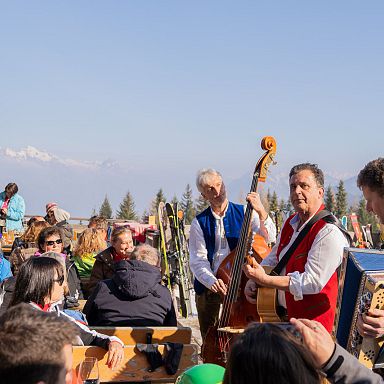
point(60, 280)
point(51, 242)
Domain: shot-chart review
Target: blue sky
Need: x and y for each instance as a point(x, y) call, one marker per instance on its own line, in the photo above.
point(168, 87)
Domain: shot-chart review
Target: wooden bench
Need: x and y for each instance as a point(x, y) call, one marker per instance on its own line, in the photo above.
point(135, 367)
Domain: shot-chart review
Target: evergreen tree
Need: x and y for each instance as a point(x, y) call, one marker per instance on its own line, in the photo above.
point(362, 213)
point(289, 208)
point(106, 209)
point(341, 201)
point(274, 203)
point(144, 217)
point(269, 199)
point(160, 197)
point(94, 212)
point(330, 200)
point(174, 200)
point(127, 208)
point(200, 204)
point(187, 205)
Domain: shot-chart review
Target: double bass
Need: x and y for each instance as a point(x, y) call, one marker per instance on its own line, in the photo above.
point(237, 312)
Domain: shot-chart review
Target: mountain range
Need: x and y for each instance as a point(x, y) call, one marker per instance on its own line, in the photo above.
point(80, 186)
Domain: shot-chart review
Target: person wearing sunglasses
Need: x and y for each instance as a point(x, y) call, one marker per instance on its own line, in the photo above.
point(40, 283)
point(51, 240)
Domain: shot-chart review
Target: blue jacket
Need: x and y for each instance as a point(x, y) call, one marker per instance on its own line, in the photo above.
point(232, 220)
point(5, 268)
point(16, 211)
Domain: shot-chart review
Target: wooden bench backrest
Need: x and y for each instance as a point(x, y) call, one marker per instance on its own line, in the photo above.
point(135, 366)
point(134, 335)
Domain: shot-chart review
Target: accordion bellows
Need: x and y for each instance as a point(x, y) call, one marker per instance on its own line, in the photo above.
point(361, 288)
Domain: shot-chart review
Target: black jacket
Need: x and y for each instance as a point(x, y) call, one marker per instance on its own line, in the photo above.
point(133, 297)
point(103, 269)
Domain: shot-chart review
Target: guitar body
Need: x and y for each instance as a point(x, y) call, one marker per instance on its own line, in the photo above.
point(267, 303)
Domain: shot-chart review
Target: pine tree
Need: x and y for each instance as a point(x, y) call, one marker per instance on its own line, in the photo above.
point(289, 208)
point(269, 199)
point(187, 205)
point(144, 217)
point(200, 204)
point(127, 208)
point(362, 213)
point(160, 197)
point(106, 209)
point(341, 201)
point(274, 203)
point(174, 200)
point(330, 200)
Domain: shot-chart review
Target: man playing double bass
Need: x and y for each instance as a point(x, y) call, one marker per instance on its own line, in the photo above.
point(307, 286)
point(213, 235)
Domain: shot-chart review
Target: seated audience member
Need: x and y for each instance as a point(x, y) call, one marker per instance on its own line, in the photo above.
point(26, 245)
point(35, 347)
point(101, 224)
point(120, 249)
point(89, 244)
point(58, 217)
point(267, 353)
point(5, 267)
point(40, 283)
point(134, 296)
point(12, 208)
point(51, 240)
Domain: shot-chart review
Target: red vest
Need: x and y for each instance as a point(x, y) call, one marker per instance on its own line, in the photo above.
point(320, 306)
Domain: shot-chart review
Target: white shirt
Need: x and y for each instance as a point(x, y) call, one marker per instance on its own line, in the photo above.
point(323, 259)
point(198, 256)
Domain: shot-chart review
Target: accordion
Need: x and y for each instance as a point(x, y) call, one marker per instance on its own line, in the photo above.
point(361, 287)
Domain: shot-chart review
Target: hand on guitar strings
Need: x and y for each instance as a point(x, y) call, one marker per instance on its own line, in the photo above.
point(371, 324)
point(316, 339)
point(219, 287)
point(256, 273)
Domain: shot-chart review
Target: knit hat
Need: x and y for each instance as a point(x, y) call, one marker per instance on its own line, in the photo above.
point(50, 206)
point(60, 214)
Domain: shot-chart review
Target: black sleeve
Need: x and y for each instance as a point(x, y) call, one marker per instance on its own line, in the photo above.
point(170, 318)
point(90, 307)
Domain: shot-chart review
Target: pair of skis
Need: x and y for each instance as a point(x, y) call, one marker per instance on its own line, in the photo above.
point(174, 249)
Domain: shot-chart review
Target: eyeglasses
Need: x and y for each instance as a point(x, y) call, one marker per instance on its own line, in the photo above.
point(60, 280)
point(51, 242)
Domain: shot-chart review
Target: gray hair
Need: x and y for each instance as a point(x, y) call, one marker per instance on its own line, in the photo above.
point(145, 252)
point(203, 175)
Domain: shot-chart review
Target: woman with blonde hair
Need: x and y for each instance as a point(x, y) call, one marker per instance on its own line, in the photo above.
point(89, 244)
point(120, 249)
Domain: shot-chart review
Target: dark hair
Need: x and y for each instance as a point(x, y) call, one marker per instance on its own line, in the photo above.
point(35, 280)
point(372, 176)
point(12, 188)
point(316, 171)
point(31, 345)
point(47, 232)
point(265, 352)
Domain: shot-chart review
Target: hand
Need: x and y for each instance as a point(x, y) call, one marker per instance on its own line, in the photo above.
point(219, 287)
point(115, 354)
point(316, 338)
point(250, 291)
point(256, 273)
point(4, 211)
point(371, 324)
point(257, 205)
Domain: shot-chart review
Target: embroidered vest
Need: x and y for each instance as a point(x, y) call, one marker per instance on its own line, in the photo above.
point(232, 221)
point(320, 306)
